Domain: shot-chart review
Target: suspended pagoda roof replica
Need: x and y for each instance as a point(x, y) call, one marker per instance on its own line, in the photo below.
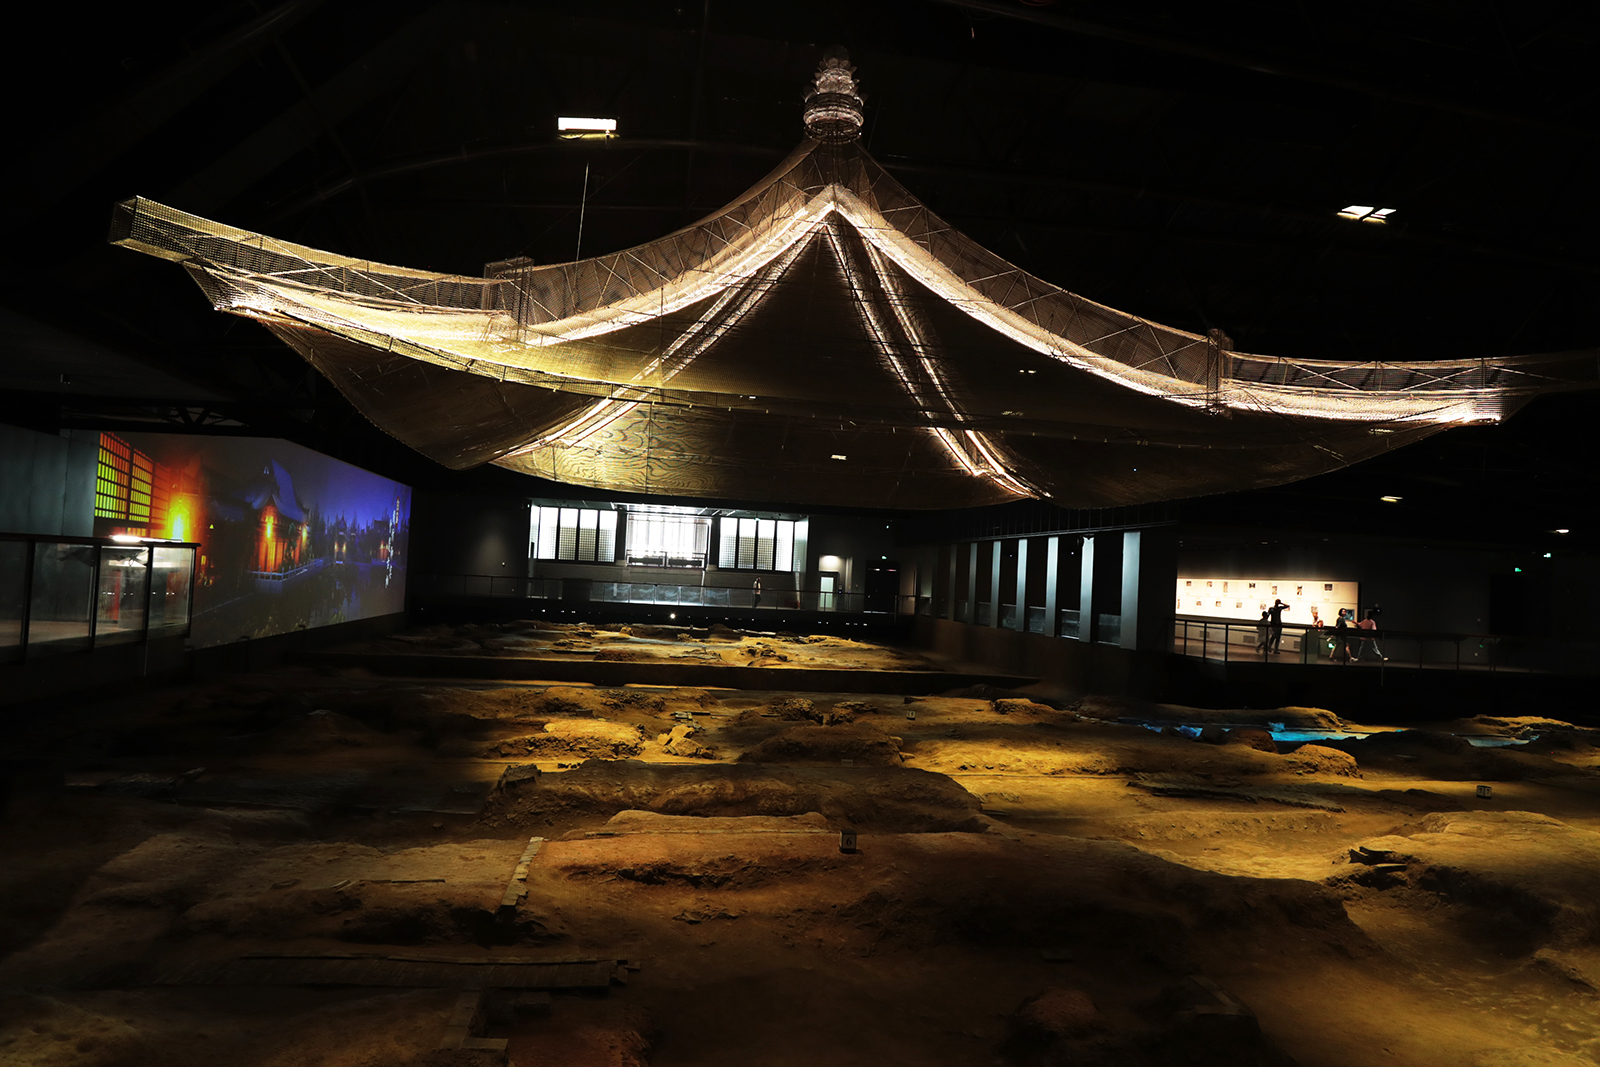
point(825, 338)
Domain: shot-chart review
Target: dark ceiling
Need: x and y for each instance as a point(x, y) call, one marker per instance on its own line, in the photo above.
point(1181, 161)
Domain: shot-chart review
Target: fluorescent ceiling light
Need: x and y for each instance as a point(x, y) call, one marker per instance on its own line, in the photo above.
point(566, 124)
point(1561, 531)
point(1366, 213)
point(841, 457)
point(1390, 499)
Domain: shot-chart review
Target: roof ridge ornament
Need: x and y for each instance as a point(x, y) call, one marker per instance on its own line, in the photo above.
point(833, 104)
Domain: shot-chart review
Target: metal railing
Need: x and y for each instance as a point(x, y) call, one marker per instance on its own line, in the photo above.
point(741, 598)
point(1248, 642)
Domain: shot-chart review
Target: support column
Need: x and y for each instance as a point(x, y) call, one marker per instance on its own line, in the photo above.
point(951, 590)
point(1052, 586)
point(972, 583)
point(996, 557)
point(1149, 571)
point(1088, 624)
point(1020, 623)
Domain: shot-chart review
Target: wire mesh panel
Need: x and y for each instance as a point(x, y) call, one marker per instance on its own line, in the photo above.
point(825, 337)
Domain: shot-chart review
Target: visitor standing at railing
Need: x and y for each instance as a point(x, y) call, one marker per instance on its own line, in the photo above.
point(1341, 638)
point(755, 594)
point(1276, 637)
point(1263, 632)
point(1368, 637)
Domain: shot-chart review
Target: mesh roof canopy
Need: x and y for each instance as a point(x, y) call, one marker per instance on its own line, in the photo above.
point(825, 338)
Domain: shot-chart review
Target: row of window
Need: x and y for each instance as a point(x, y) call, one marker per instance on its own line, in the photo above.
point(589, 535)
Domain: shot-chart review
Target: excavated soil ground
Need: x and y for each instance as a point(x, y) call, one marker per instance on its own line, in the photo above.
point(1032, 882)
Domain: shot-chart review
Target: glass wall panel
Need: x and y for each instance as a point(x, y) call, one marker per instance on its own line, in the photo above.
point(766, 534)
point(588, 526)
point(747, 543)
point(63, 593)
point(783, 556)
point(171, 585)
point(568, 543)
point(121, 601)
point(547, 525)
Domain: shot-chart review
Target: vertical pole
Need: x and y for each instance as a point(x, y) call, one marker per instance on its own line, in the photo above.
point(1130, 590)
point(1052, 586)
point(1149, 576)
point(996, 555)
point(1021, 622)
point(1088, 625)
point(972, 583)
point(27, 595)
point(950, 585)
point(94, 596)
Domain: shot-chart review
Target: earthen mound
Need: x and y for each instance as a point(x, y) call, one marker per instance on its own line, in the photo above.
point(1526, 878)
point(1317, 759)
point(885, 799)
point(793, 708)
point(320, 731)
point(1022, 706)
point(1251, 737)
point(680, 741)
point(861, 744)
point(1049, 1020)
point(590, 738)
point(653, 632)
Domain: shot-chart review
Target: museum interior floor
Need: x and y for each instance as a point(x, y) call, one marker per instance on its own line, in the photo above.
point(328, 865)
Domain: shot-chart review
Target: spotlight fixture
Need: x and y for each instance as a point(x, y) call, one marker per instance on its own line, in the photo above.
point(1390, 499)
point(1364, 213)
point(1561, 531)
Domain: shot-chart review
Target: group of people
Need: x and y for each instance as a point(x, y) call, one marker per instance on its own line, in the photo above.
point(1270, 632)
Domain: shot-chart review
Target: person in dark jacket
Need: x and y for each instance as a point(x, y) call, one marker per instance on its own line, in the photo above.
point(1276, 613)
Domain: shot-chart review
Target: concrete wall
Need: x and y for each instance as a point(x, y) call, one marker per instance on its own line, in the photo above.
point(48, 483)
point(1068, 666)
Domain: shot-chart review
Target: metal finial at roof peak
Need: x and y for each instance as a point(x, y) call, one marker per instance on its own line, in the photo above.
point(833, 104)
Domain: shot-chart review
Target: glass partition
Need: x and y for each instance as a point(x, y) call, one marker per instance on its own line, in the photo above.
point(13, 597)
point(61, 598)
point(121, 602)
point(171, 585)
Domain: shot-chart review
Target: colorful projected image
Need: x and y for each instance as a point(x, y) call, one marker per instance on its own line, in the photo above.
point(289, 538)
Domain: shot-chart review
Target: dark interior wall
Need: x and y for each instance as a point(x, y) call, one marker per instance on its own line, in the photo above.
point(856, 540)
point(1421, 586)
point(48, 483)
point(469, 534)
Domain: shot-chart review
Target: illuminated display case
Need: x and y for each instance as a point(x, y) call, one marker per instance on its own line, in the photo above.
point(68, 594)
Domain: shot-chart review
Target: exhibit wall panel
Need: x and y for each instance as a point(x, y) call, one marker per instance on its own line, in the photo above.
point(289, 539)
point(1243, 599)
point(1420, 586)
